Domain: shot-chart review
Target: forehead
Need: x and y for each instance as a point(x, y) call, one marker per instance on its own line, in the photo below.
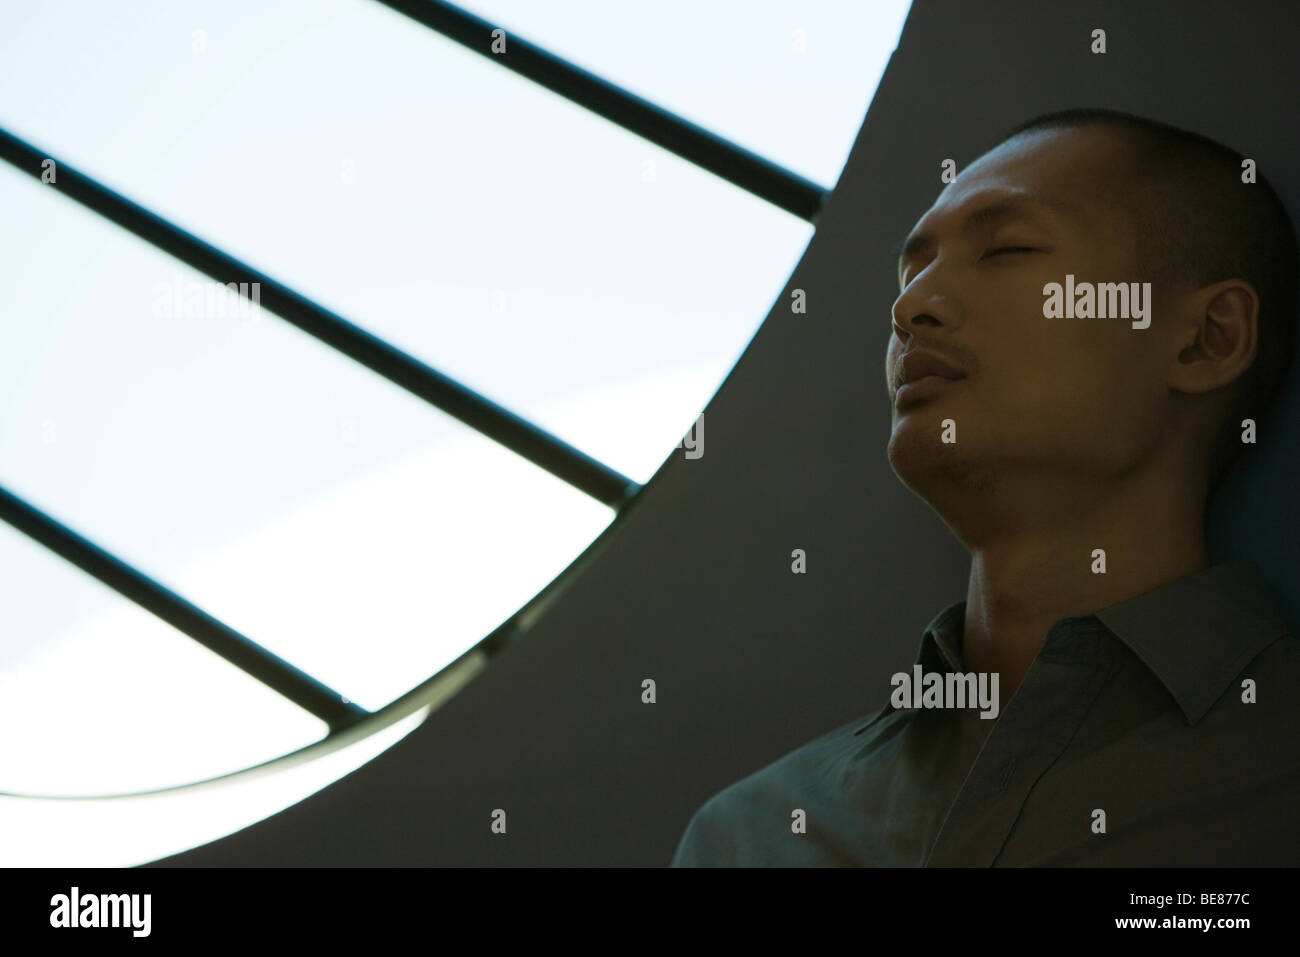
point(1078, 175)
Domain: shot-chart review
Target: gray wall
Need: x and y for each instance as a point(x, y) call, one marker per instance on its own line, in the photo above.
point(694, 588)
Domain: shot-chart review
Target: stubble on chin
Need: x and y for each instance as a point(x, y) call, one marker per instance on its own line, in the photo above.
point(929, 466)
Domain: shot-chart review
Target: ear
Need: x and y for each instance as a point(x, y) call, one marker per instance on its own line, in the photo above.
point(1222, 324)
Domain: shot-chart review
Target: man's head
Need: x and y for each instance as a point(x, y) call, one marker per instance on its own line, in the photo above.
point(1106, 198)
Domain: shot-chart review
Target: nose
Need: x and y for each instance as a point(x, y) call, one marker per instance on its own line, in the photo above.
point(922, 312)
point(903, 330)
point(921, 305)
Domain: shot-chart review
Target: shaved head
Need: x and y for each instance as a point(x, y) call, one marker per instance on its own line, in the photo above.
point(1194, 222)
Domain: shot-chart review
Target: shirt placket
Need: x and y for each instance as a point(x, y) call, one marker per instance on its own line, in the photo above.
point(1031, 733)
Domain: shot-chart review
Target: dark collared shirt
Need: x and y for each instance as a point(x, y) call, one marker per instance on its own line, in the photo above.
point(1137, 719)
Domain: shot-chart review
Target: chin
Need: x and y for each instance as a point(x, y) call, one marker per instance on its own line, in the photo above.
point(926, 465)
point(913, 447)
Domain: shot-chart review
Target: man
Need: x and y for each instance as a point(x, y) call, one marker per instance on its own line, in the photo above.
point(1125, 702)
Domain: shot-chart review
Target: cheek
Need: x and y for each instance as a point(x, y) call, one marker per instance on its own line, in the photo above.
point(1051, 372)
point(1076, 395)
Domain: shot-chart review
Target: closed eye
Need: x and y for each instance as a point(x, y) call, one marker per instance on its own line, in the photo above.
point(995, 252)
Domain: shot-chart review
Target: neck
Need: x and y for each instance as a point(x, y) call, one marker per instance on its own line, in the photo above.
point(1041, 565)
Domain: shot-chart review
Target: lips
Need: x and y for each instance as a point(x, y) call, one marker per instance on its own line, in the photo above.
point(917, 365)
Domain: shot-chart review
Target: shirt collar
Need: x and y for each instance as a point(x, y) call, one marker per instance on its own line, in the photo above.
point(1198, 632)
point(941, 643)
point(1195, 634)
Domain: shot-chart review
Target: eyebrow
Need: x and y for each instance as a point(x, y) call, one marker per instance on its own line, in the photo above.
point(1001, 208)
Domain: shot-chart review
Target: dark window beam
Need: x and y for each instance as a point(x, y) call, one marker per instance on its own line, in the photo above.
point(705, 149)
point(274, 672)
point(478, 412)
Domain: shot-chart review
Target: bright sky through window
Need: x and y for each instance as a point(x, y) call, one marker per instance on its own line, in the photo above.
point(587, 280)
